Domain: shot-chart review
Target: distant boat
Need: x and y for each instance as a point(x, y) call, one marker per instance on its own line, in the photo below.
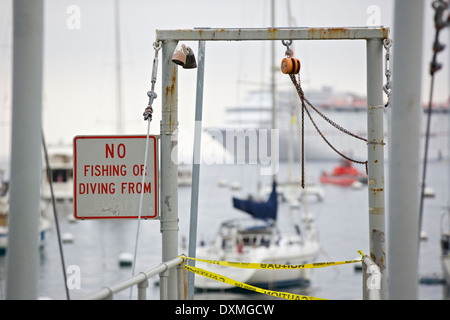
point(258, 240)
point(61, 172)
point(184, 175)
point(44, 223)
point(344, 175)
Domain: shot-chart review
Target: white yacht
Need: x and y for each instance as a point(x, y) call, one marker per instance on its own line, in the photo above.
point(61, 171)
point(249, 120)
point(257, 239)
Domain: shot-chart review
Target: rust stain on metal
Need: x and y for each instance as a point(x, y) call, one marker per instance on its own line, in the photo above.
point(170, 97)
point(273, 33)
point(377, 253)
point(329, 33)
point(376, 192)
point(171, 89)
point(376, 210)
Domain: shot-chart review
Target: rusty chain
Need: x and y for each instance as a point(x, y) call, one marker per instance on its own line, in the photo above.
point(303, 99)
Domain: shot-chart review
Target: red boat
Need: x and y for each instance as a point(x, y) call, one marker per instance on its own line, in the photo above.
point(344, 175)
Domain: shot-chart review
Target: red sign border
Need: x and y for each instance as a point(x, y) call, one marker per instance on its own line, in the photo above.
point(154, 137)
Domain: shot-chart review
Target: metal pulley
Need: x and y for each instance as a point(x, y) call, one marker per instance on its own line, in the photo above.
point(289, 65)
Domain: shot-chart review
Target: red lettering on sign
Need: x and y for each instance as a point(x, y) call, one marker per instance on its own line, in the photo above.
point(131, 187)
point(139, 170)
point(110, 150)
point(105, 170)
point(97, 188)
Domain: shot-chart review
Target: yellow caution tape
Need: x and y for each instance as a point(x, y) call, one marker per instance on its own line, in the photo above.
point(283, 295)
point(250, 265)
point(218, 277)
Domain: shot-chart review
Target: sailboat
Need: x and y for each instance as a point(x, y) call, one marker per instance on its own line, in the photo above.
point(257, 239)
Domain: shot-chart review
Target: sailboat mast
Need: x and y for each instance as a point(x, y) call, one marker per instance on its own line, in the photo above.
point(118, 69)
point(273, 87)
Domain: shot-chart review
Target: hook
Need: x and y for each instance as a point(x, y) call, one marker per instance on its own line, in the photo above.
point(289, 53)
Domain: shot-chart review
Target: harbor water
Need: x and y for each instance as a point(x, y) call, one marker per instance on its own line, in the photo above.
point(92, 258)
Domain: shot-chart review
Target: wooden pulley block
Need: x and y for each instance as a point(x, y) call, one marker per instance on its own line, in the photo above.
point(290, 65)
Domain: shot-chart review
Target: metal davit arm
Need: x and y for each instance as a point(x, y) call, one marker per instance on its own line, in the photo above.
point(248, 34)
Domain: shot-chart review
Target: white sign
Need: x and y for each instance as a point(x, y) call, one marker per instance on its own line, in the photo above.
point(108, 173)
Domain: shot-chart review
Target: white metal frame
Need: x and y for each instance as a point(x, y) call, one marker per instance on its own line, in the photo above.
point(373, 36)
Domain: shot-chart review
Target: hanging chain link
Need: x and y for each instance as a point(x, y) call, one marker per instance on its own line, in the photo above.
point(305, 102)
point(152, 94)
point(387, 71)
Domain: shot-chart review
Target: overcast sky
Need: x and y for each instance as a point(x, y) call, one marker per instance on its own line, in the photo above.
point(79, 82)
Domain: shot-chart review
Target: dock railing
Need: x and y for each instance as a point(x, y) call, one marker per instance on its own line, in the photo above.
point(371, 279)
point(141, 281)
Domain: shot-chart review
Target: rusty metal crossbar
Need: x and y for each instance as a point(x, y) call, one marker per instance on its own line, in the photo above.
point(248, 34)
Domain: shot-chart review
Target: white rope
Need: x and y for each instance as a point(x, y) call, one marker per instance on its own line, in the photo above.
point(140, 205)
point(148, 117)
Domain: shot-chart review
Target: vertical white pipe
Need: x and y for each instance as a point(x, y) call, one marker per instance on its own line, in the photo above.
point(119, 115)
point(142, 290)
point(169, 163)
point(182, 282)
point(375, 156)
point(163, 292)
point(26, 170)
point(404, 154)
point(196, 166)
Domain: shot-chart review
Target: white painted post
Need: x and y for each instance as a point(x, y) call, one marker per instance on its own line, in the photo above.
point(375, 143)
point(404, 156)
point(26, 163)
point(169, 164)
